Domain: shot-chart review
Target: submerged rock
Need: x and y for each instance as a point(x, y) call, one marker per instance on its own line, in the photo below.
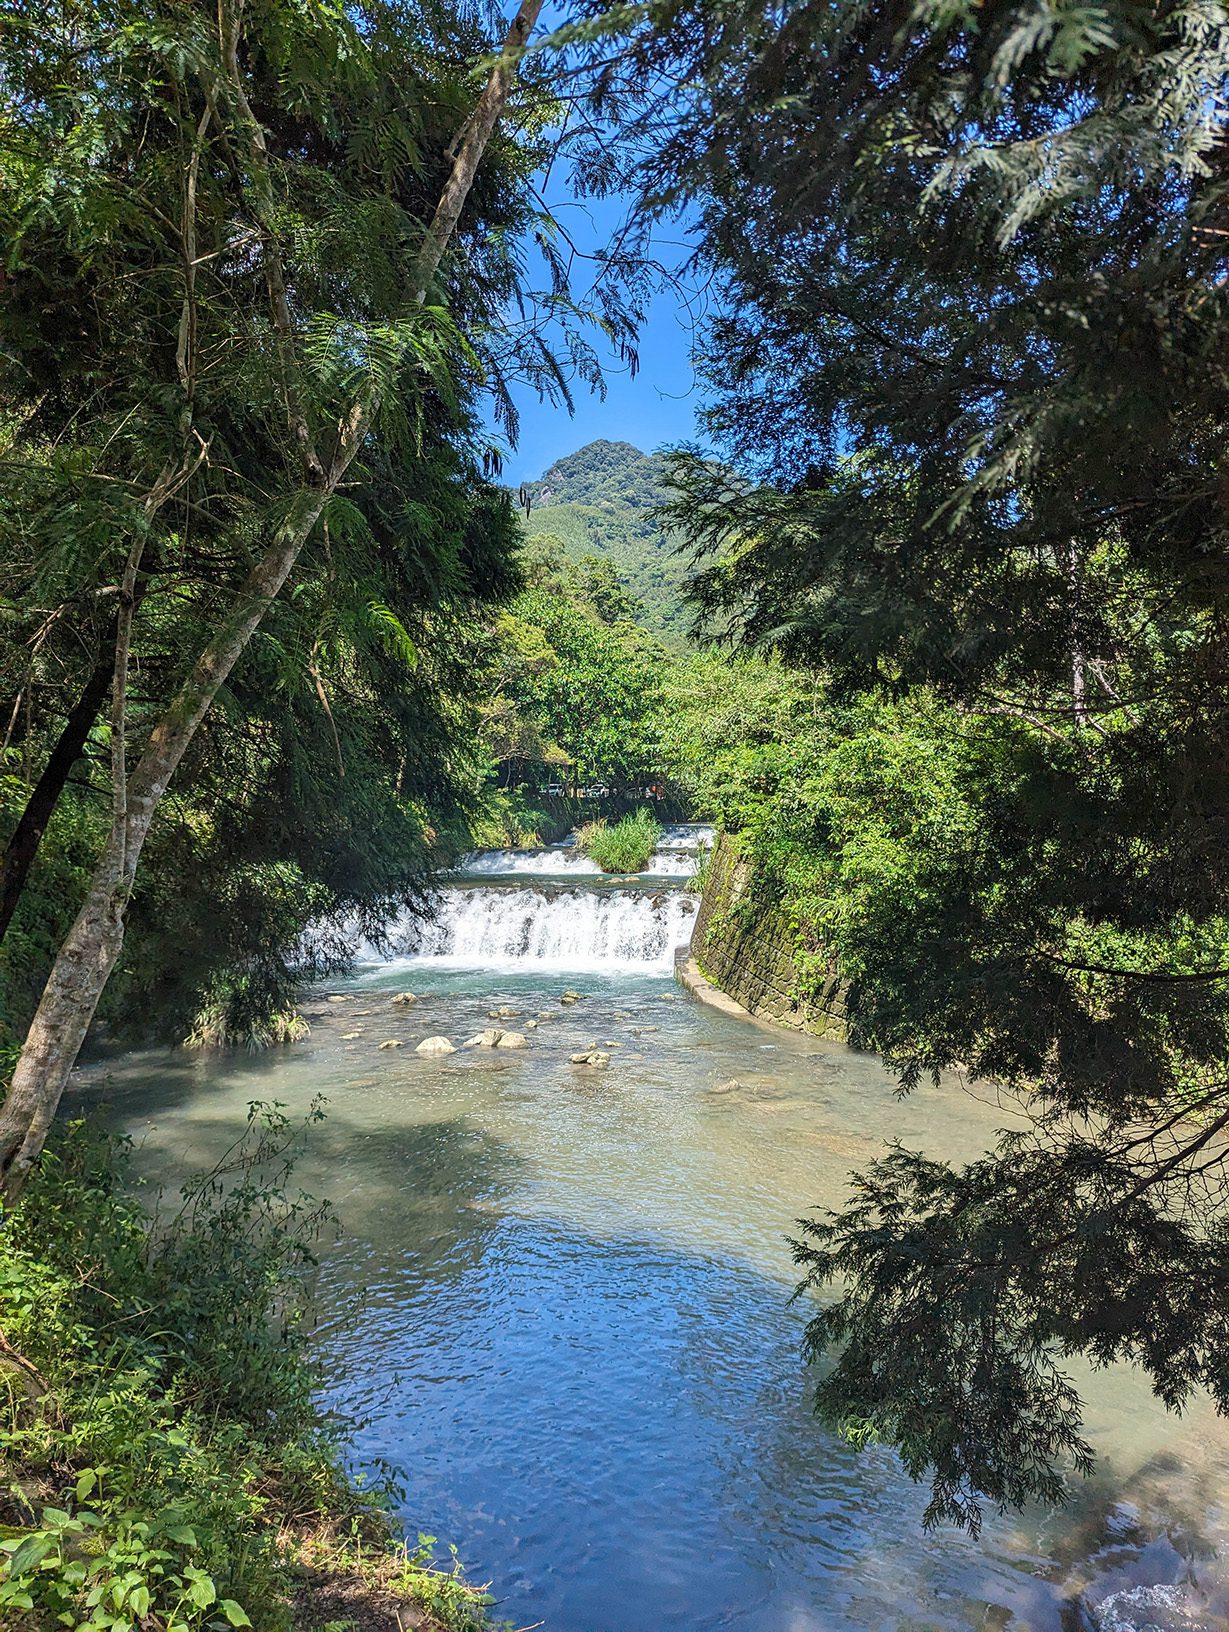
point(393, 1042)
point(485, 1039)
point(406, 997)
point(337, 999)
point(593, 1056)
point(435, 1045)
point(1148, 1609)
point(512, 1039)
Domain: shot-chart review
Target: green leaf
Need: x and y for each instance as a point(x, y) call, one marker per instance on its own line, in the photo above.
point(392, 634)
point(202, 1591)
point(235, 1613)
point(30, 1554)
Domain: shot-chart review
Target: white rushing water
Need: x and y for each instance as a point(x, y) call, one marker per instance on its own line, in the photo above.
point(586, 931)
point(676, 856)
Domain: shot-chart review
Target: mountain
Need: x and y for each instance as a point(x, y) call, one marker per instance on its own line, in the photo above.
point(600, 501)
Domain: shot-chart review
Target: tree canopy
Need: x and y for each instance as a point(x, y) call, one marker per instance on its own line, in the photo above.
point(973, 285)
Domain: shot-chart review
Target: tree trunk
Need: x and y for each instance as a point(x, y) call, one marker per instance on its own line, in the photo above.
point(22, 848)
point(89, 953)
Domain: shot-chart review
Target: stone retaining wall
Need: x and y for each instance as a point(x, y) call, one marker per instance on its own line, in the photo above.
point(750, 953)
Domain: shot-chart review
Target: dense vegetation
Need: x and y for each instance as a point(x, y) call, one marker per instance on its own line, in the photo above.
point(165, 1463)
point(249, 538)
point(623, 846)
point(967, 357)
point(603, 501)
point(576, 692)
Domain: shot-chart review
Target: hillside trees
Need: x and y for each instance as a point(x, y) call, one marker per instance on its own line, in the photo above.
point(574, 687)
point(601, 503)
point(225, 235)
point(983, 248)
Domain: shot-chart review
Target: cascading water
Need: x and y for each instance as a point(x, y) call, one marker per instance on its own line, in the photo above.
point(599, 931)
point(676, 856)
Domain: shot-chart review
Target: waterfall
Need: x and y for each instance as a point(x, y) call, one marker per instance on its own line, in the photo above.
point(607, 931)
point(675, 857)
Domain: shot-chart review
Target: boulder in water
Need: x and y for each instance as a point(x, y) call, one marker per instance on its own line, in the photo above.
point(531, 1025)
point(592, 1056)
point(508, 1014)
point(512, 1039)
point(349, 1036)
point(405, 998)
point(435, 1045)
point(337, 998)
point(393, 1042)
point(485, 1039)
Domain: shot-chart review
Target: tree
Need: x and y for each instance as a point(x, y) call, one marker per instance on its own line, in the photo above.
point(599, 699)
point(339, 353)
point(973, 283)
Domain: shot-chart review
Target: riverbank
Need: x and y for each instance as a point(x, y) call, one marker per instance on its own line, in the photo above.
point(164, 1451)
point(750, 951)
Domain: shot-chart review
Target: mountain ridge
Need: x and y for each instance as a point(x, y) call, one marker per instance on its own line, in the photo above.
point(601, 500)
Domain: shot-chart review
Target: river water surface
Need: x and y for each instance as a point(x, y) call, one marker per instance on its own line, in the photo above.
point(575, 1342)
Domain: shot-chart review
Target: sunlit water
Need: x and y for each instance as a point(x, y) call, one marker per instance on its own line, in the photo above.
point(575, 1340)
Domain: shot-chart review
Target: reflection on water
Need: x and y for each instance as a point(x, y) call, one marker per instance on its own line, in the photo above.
point(576, 1342)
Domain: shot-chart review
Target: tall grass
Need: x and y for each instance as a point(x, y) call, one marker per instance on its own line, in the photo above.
point(625, 847)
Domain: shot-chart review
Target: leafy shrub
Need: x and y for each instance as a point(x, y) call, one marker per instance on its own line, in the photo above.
point(242, 1010)
point(625, 847)
point(510, 822)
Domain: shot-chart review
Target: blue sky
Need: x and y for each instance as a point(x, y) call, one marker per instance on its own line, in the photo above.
point(655, 408)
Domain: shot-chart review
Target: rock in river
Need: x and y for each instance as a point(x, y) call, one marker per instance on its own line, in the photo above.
point(393, 1042)
point(485, 1039)
point(435, 1045)
point(406, 997)
point(513, 1039)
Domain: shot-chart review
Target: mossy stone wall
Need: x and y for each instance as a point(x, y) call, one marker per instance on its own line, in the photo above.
point(748, 948)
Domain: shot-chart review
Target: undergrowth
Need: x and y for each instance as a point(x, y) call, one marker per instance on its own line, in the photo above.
point(625, 847)
point(165, 1463)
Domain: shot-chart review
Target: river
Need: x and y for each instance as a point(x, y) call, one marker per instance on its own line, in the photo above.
point(574, 1340)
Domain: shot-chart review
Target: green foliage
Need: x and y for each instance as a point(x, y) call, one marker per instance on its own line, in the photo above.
point(178, 1419)
point(173, 1459)
point(512, 821)
point(625, 847)
point(346, 737)
point(571, 696)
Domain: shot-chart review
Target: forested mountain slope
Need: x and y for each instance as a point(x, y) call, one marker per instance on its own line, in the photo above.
point(601, 501)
